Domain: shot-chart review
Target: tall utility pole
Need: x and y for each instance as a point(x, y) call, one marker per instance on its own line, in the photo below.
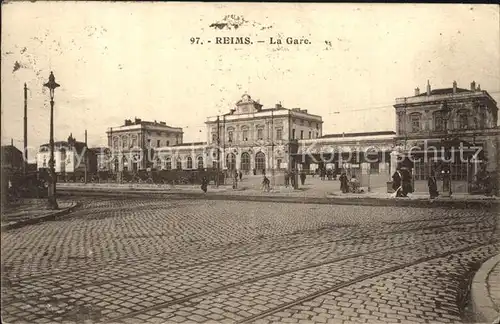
point(86, 159)
point(272, 148)
point(224, 139)
point(218, 153)
point(25, 149)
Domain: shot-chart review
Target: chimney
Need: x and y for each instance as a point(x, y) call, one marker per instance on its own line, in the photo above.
point(417, 91)
point(278, 106)
point(478, 87)
point(473, 86)
point(428, 88)
point(454, 87)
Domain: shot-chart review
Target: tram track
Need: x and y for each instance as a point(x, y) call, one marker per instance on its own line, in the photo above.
point(306, 267)
point(170, 254)
point(17, 298)
point(355, 281)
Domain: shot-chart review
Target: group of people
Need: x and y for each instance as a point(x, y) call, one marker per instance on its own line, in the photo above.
point(325, 174)
point(349, 185)
point(401, 182)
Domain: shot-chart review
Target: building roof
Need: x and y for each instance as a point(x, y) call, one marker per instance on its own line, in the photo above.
point(443, 91)
point(379, 133)
point(9, 149)
point(190, 144)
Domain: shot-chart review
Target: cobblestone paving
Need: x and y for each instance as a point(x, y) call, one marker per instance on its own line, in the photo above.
point(150, 260)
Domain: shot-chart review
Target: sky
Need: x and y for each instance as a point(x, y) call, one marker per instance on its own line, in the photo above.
point(117, 61)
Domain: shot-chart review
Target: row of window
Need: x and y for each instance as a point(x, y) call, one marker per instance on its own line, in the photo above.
point(260, 135)
point(462, 121)
point(458, 170)
point(133, 143)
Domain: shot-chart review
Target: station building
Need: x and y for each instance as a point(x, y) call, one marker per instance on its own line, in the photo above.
point(449, 127)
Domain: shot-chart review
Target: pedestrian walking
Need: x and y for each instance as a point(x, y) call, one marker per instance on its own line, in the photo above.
point(432, 184)
point(204, 184)
point(302, 177)
point(265, 184)
point(287, 179)
point(235, 180)
point(344, 187)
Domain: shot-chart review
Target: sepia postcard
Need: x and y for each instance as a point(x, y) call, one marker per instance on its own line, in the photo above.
point(168, 162)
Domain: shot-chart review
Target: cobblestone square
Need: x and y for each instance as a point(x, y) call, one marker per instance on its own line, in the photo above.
point(144, 260)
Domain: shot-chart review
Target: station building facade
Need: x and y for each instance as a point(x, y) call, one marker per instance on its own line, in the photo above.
point(253, 139)
point(453, 128)
point(133, 142)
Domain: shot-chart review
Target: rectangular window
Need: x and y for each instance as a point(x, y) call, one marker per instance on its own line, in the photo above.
point(149, 142)
point(278, 163)
point(260, 134)
point(168, 143)
point(230, 136)
point(158, 143)
point(134, 142)
point(279, 134)
point(301, 134)
point(293, 133)
point(214, 137)
point(309, 134)
point(415, 123)
point(245, 135)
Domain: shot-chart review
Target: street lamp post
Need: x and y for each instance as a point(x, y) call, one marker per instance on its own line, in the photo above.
point(52, 202)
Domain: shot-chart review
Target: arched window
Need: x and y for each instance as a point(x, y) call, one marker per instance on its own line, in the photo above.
point(260, 162)
point(168, 163)
point(200, 162)
point(245, 161)
point(415, 122)
point(231, 161)
point(179, 164)
point(189, 162)
point(463, 119)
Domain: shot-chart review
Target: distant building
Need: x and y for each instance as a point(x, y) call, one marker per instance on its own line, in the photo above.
point(99, 159)
point(68, 156)
point(12, 158)
point(131, 142)
point(464, 117)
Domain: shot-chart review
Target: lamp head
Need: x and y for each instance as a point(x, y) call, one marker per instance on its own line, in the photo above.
point(52, 84)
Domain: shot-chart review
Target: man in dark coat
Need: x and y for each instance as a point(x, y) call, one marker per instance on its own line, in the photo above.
point(287, 179)
point(302, 177)
point(204, 184)
point(406, 182)
point(432, 184)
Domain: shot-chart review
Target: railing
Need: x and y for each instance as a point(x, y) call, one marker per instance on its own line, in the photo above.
point(449, 96)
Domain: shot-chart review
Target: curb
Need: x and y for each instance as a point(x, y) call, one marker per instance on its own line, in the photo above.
point(366, 201)
point(37, 220)
point(482, 305)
